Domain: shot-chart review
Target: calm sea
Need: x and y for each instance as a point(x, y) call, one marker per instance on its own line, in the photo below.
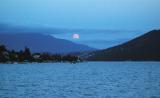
point(81, 80)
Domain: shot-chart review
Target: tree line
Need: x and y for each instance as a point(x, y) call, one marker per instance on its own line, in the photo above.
point(26, 56)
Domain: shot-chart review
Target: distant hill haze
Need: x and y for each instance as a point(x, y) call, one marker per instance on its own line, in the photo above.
point(40, 43)
point(143, 48)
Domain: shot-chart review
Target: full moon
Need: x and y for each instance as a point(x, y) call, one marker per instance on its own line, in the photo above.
point(75, 36)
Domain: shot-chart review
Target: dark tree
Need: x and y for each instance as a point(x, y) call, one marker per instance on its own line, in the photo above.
point(27, 54)
point(20, 56)
point(13, 56)
point(3, 52)
point(2, 48)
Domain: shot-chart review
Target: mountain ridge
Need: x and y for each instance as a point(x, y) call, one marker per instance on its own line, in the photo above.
point(145, 47)
point(38, 42)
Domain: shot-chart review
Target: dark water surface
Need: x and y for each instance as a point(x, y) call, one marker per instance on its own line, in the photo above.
point(82, 80)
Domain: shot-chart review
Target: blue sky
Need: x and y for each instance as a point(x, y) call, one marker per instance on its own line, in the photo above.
point(131, 15)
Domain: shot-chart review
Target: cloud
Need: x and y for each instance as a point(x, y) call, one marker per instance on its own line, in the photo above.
point(105, 41)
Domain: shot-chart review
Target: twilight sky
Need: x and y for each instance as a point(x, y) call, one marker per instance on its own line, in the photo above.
point(123, 15)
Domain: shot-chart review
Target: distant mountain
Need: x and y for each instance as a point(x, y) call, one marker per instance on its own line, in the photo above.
point(145, 47)
point(7, 28)
point(38, 42)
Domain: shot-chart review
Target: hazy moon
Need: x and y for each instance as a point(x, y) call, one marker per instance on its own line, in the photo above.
point(75, 36)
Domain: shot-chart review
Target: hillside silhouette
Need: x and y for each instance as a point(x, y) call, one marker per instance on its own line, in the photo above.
point(143, 48)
